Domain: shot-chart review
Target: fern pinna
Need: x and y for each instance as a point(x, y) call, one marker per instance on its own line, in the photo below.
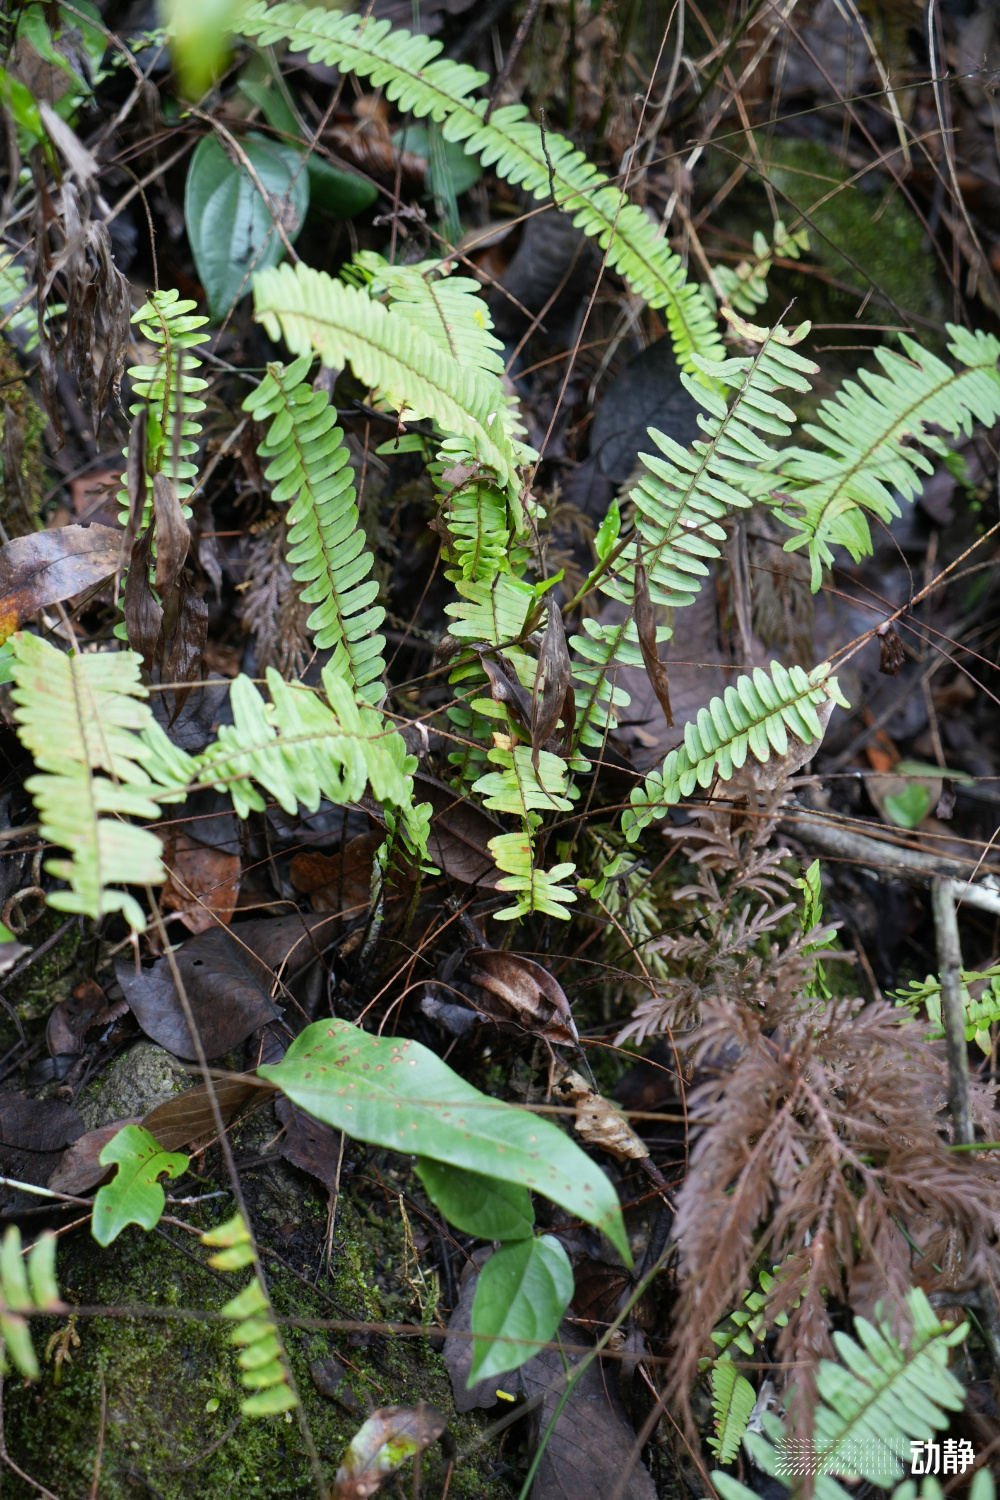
point(509, 141)
point(309, 465)
point(169, 392)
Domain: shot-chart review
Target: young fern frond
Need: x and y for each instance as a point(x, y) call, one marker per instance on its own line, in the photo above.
point(753, 715)
point(733, 1401)
point(881, 1394)
point(979, 1014)
point(13, 288)
point(344, 325)
point(745, 285)
point(519, 789)
point(301, 749)
point(166, 321)
point(449, 309)
point(309, 464)
point(510, 142)
point(262, 1360)
point(867, 435)
point(79, 716)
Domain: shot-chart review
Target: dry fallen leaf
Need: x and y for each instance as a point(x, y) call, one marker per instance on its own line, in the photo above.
point(528, 993)
point(204, 883)
point(598, 1122)
point(389, 1437)
point(50, 566)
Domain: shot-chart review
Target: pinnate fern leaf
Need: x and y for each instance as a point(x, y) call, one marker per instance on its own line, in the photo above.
point(882, 1394)
point(533, 889)
point(168, 323)
point(300, 749)
point(387, 352)
point(309, 464)
point(733, 1401)
point(752, 716)
point(81, 716)
point(866, 436)
point(510, 142)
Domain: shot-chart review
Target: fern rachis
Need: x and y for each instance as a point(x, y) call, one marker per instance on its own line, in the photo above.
point(309, 462)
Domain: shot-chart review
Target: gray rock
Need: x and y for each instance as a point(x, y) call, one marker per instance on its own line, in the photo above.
point(135, 1083)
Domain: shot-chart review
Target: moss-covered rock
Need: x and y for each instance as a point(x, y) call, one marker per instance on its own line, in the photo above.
point(173, 1387)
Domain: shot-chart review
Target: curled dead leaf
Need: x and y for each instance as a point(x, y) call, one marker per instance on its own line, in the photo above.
point(551, 684)
point(528, 994)
point(598, 1122)
point(645, 624)
point(389, 1437)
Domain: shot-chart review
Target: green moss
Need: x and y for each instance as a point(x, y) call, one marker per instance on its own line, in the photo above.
point(53, 976)
point(161, 1375)
point(32, 421)
point(862, 233)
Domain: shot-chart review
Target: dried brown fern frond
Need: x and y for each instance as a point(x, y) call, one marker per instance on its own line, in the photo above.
point(820, 1148)
point(273, 613)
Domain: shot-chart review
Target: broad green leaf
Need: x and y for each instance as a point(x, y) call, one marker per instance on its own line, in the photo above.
point(134, 1195)
point(343, 194)
point(200, 39)
point(483, 1206)
point(522, 1293)
point(399, 1094)
point(230, 227)
point(910, 806)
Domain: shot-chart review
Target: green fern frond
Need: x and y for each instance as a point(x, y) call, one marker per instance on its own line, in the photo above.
point(423, 84)
point(300, 749)
point(78, 716)
point(493, 610)
point(309, 464)
point(744, 286)
point(733, 1401)
point(449, 309)
point(533, 890)
point(344, 325)
point(25, 1286)
point(13, 287)
point(684, 493)
point(752, 716)
point(597, 653)
point(867, 435)
point(518, 788)
point(263, 1360)
point(167, 322)
point(979, 1014)
point(881, 1394)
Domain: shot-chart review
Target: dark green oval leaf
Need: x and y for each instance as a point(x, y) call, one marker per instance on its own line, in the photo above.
point(483, 1206)
point(330, 189)
point(230, 227)
point(399, 1094)
point(134, 1195)
point(522, 1293)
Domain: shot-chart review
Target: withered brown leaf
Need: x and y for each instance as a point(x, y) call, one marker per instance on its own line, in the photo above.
point(505, 688)
point(389, 1437)
point(645, 624)
point(135, 483)
point(890, 650)
point(172, 535)
point(49, 566)
point(598, 1122)
point(528, 993)
point(143, 612)
point(551, 683)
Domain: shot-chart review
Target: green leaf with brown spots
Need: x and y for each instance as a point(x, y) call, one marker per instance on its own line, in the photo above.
point(393, 1092)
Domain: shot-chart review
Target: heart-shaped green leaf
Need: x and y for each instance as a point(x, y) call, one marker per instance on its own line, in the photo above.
point(134, 1194)
point(522, 1293)
point(230, 227)
point(483, 1206)
point(397, 1093)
